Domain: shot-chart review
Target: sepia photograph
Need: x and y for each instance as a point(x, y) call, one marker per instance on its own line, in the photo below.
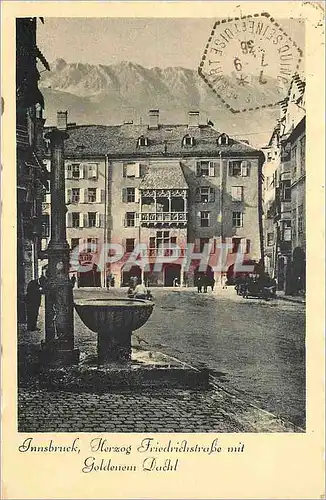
point(161, 225)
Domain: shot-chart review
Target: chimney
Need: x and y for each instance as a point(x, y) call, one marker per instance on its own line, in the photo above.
point(62, 118)
point(153, 118)
point(193, 119)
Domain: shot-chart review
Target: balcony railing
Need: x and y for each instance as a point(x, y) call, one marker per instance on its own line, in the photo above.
point(163, 252)
point(164, 217)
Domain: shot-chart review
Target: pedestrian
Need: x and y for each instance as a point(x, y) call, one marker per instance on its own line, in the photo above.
point(199, 284)
point(205, 282)
point(140, 291)
point(33, 302)
point(212, 283)
point(224, 280)
point(73, 280)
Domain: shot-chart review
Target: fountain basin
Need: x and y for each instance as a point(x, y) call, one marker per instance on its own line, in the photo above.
point(114, 320)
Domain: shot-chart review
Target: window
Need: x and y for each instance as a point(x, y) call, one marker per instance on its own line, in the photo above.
point(131, 170)
point(203, 242)
point(205, 168)
point(286, 230)
point(91, 195)
point(286, 190)
point(92, 171)
point(75, 170)
point(74, 243)
point(237, 193)
point(236, 242)
point(142, 141)
point(188, 141)
point(205, 194)
point(204, 219)
point(130, 195)
point(92, 245)
point(75, 195)
point(302, 155)
point(223, 140)
point(237, 219)
point(130, 244)
point(270, 239)
point(130, 220)
point(239, 168)
point(91, 219)
point(75, 219)
point(45, 226)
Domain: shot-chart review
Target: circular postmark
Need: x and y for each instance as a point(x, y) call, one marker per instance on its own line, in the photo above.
point(249, 62)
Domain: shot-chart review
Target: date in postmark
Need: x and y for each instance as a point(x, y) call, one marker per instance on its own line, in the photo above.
point(249, 62)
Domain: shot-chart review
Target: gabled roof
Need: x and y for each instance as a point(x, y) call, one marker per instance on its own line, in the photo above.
point(167, 140)
point(164, 176)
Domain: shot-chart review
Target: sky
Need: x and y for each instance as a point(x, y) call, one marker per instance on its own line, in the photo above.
point(147, 41)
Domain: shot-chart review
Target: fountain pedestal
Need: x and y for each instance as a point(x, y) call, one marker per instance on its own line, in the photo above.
point(113, 345)
point(114, 320)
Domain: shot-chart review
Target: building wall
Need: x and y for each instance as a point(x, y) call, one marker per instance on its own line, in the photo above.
point(221, 182)
point(298, 194)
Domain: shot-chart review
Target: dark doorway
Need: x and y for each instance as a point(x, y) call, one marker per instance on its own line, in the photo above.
point(134, 271)
point(90, 278)
point(171, 273)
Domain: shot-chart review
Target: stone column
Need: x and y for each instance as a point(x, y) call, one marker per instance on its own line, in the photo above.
point(59, 309)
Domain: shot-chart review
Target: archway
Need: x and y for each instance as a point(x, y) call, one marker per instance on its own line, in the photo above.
point(90, 278)
point(134, 271)
point(171, 273)
point(299, 269)
point(232, 274)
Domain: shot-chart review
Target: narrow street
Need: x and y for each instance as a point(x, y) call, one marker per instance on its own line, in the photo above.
point(255, 349)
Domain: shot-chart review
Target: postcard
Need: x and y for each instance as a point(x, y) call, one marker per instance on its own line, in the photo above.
point(163, 250)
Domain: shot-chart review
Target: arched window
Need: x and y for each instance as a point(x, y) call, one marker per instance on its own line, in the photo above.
point(188, 141)
point(223, 140)
point(142, 141)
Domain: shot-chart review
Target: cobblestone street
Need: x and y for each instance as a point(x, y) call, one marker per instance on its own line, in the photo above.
point(254, 350)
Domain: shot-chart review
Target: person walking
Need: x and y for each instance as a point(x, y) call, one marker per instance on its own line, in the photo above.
point(33, 302)
point(205, 282)
point(199, 284)
point(73, 280)
point(212, 283)
point(224, 280)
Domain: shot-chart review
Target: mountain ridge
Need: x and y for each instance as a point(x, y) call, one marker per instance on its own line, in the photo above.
point(125, 91)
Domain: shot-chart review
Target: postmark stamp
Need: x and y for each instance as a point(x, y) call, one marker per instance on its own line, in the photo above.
point(249, 62)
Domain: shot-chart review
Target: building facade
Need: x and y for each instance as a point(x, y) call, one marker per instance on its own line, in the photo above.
point(157, 187)
point(284, 193)
point(32, 176)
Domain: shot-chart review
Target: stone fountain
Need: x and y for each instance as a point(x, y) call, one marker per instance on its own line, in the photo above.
point(114, 320)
